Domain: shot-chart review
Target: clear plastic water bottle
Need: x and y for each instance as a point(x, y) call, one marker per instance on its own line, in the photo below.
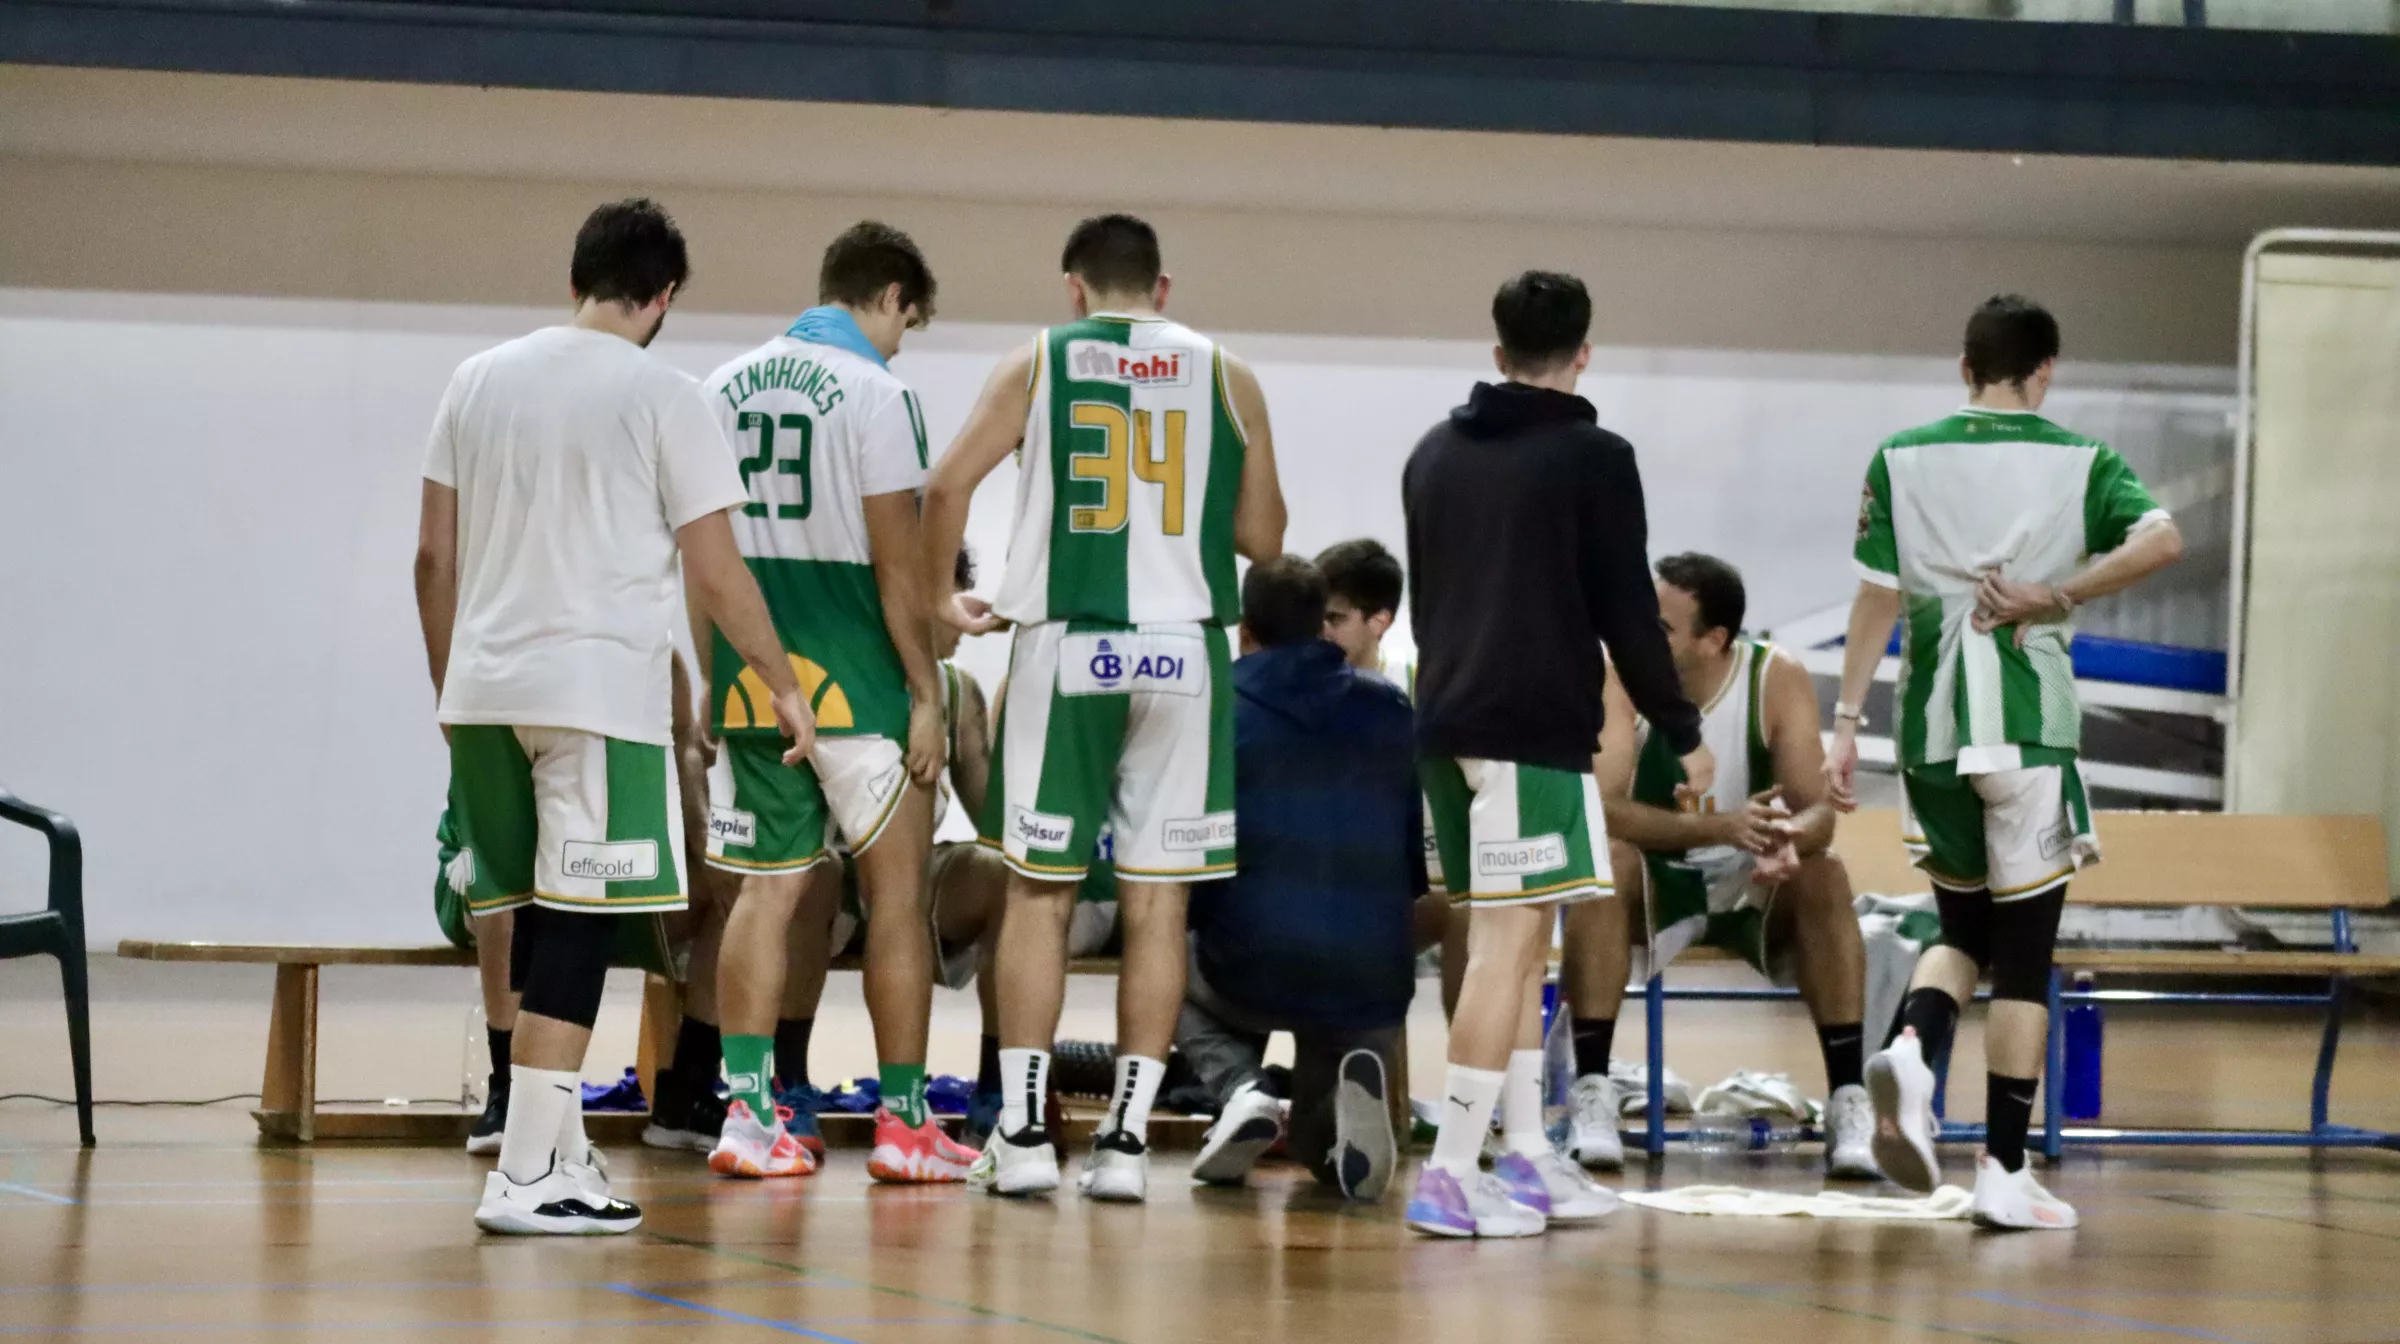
point(1558, 1069)
point(1720, 1133)
point(2080, 1097)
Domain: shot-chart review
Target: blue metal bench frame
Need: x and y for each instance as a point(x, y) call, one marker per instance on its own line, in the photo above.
point(2321, 1131)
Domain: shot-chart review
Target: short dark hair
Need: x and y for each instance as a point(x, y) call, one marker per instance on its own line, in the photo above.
point(1542, 318)
point(1716, 589)
point(1114, 254)
point(1283, 601)
point(1363, 574)
point(628, 252)
point(867, 258)
point(962, 570)
point(2008, 339)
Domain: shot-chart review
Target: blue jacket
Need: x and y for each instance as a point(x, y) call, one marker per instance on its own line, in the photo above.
point(1313, 928)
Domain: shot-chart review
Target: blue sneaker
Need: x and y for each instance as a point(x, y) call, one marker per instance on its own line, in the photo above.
point(1524, 1181)
point(983, 1116)
point(1443, 1207)
point(803, 1103)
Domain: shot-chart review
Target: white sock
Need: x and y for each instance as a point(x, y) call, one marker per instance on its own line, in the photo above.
point(573, 1145)
point(1024, 1083)
point(1467, 1098)
point(1138, 1077)
point(538, 1100)
point(1521, 1105)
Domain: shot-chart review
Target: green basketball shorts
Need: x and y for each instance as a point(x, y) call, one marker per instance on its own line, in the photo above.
point(566, 819)
point(1520, 834)
point(768, 817)
point(2017, 833)
point(1123, 726)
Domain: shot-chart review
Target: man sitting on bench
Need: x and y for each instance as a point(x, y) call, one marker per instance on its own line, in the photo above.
point(1749, 871)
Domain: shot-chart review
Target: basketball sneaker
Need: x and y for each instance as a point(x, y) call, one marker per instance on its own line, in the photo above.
point(2016, 1201)
point(1481, 1206)
point(1595, 1139)
point(1556, 1187)
point(1901, 1088)
point(1118, 1169)
point(484, 1139)
point(1364, 1149)
point(692, 1126)
point(1023, 1163)
point(1247, 1125)
point(750, 1150)
point(1850, 1135)
point(920, 1156)
point(799, 1107)
point(570, 1200)
point(983, 1116)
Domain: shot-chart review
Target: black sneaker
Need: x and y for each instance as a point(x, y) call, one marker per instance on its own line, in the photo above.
point(693, 1126)
point(484, 1139)
point(566, 1202)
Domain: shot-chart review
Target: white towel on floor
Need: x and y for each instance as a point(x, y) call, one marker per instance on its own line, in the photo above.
point(1735, 1201)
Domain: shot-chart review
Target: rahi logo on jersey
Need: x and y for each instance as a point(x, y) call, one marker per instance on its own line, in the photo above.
point(1132, 663)
point(613, 861)
point(1518, 858)
point(1108, 362)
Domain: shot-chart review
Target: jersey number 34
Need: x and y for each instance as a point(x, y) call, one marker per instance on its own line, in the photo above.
point(1126, 451)
point(794, 463)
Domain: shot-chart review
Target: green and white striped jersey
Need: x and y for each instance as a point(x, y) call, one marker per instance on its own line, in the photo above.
point(1948, 501)
point(1695, 883)
point(817, 430)
point(1127, 479)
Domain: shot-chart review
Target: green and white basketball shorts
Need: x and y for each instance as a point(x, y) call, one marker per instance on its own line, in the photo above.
point(566, 819)
point(1521, 834)
point(2018, 833)
point(1125, 726)
point(768, 817)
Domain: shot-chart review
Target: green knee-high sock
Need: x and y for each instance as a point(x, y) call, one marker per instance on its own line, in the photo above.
point(749, 1064)
point(904, 1092)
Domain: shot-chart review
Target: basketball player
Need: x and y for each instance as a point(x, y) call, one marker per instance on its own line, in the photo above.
point(566, 473)
point(1750, 871)
point(1145, 464)
point(1988, 527)
point(832, 446)
point(1526, 538)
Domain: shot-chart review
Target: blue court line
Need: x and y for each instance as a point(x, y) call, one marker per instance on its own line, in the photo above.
point(781, 1327)
point(29, 1192)
point(2104, 1318)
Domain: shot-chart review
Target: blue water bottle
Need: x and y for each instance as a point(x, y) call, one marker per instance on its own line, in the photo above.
point(2081, 1099)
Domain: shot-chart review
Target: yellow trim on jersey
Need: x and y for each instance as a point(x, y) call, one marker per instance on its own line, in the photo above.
point(1592, 885)
point(627, 903)
point(727, 863)
point(2034, 888)
point(1171, 874)
point(884, 822)
point(1041, 872)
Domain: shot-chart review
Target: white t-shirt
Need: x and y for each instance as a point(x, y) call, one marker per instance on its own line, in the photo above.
point(576, 456)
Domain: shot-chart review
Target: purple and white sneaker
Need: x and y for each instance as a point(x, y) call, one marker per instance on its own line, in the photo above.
point(1524, 1182)
point(1482, 1207)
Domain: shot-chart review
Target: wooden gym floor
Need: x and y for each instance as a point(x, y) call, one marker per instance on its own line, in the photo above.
point(180, 1225)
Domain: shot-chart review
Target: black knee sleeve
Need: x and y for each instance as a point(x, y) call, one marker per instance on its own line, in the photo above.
point(565, 959)
point(2024, 937)
point(1967, 923)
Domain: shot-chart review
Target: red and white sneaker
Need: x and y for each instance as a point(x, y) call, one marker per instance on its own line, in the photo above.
point(920, 1156)
point(752, 1151)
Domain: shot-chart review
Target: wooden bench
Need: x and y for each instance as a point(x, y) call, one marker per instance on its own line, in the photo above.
point(2177, 859)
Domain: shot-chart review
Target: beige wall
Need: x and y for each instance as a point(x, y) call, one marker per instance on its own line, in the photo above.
point(202, 228)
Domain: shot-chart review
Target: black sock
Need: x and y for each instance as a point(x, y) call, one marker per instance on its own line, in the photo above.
point(791, 1050)
point(1593, 1037)
point(1935, 1016)
point(699, 1056)
point(987, 1066)
point(1845, 1047)
point(498, 1042)
point(2007, 1111)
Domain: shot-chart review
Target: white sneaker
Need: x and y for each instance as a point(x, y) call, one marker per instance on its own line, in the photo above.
point(1574, 1197)
point(751, 1151)
point(1024, 1163)
point(1118, 1169)
point(1902, 1089)
point(2009, 1199)
point(1246, 1128)
point(1850, 1135)
point(1480, 1206)
point(563, 1203)
point(1596, 1141)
